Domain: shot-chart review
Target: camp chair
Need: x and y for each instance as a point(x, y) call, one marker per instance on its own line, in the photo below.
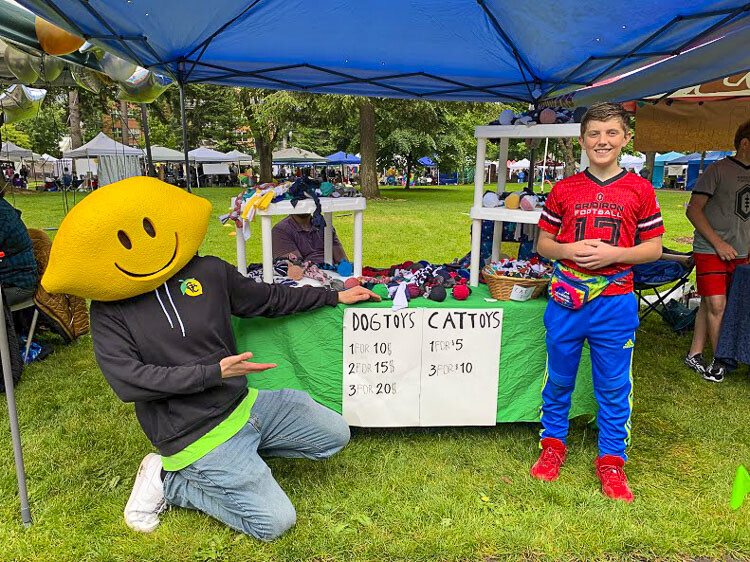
point(13, 416)
point(673, 267)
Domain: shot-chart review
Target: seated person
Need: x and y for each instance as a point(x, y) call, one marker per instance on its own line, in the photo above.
point(67, 179)
point(296, 238)
point(18, 274)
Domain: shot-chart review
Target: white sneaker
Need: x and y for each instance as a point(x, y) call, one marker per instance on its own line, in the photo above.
point(146, 500)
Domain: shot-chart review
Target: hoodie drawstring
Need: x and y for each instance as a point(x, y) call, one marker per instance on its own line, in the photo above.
point(166, 288)
point(163, 309)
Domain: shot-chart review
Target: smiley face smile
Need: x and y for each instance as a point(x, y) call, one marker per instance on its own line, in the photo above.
point(171, 260)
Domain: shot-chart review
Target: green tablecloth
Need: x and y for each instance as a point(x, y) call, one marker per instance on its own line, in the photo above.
point(308, 349)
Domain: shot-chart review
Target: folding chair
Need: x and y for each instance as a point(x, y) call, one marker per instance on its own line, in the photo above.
point(674, 267)
point(13, 415)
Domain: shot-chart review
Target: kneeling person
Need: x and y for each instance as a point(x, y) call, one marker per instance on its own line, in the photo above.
point(163, 340)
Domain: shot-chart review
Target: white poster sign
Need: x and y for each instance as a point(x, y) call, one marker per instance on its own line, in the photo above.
point(421, 367)
point(460, 358)
point(381, 367)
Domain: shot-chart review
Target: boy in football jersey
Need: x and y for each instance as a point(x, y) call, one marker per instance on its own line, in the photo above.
point(719, 210)
point(589, 226)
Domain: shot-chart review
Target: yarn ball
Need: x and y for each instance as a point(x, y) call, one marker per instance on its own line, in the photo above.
point(412, 291)
point(547, 116)
point(345, 268)
point(437, 293)
point(528, 202)
point(381, 290)
point(351, 282)
point(506, 117)
point(490, 199)
point(513, 201)
point(461, 292)
point(295, 272)
point(578, 114)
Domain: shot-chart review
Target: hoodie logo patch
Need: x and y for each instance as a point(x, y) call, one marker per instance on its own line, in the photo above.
point(191, 287)
point(628, 345)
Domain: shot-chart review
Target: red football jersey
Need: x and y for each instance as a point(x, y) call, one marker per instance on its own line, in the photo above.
point(615, 211)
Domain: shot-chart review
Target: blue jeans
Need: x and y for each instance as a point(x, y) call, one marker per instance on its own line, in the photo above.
point(235, 486)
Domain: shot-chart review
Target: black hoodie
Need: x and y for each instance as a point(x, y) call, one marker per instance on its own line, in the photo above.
point(162, 349)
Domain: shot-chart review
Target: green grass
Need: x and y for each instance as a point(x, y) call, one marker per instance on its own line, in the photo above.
point(394, 494)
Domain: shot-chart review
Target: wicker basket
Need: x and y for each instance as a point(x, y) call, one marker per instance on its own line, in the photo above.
point(501, 285)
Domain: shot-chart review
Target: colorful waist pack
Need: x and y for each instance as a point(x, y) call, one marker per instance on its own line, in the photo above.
point(572, 289)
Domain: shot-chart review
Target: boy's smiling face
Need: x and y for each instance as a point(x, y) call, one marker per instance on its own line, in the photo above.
point(603, 141)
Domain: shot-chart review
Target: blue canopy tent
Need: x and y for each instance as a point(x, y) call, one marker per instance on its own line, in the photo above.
point(342, 158)
point(490, 56)
point(693, 162)
point(659, 163)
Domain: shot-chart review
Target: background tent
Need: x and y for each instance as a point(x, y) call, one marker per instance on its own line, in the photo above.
point(102, 145)
point(11, 151)
point(660, 162)
point(493, 55)
point(204, 154)
point(522, 164)
point(295, 155)
point(693, 162)
point(426, 161)
point(344, 158)
point(240, 157)
point(633, 162)
point(164, 154)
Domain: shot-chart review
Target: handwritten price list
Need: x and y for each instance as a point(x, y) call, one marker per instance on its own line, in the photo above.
point(421, 367)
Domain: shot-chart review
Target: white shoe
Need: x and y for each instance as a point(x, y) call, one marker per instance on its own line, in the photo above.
point(146, 500)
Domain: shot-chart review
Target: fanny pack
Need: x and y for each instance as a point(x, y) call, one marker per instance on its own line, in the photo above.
point(573, 289)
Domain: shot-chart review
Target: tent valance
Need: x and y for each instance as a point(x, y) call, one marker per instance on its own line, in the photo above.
point(164, 154)
point(490, 56)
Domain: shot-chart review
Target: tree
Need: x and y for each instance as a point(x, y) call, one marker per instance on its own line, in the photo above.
point(74, 113)
point(368, 150)
point(270, 115)
point(11, 133)
point(46, 130)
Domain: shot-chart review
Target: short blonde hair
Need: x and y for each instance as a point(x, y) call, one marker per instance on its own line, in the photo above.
point(604, 111)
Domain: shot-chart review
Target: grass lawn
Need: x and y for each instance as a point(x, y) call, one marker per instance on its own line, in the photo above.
point(452, 494)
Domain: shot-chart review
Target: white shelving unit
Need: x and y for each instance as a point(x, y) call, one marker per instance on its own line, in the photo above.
point(329, 205)
point(501, 214)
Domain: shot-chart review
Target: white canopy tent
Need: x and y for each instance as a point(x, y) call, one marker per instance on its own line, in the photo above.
point(10, 151)
point(520, 165)
point(164, 154)
point(203, 154)
point(294, 155)
point(102, 145)
point(240, 157)
point(633, 162)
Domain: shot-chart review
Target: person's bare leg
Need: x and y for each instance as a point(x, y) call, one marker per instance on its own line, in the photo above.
point(715, 305)
point(700, 332)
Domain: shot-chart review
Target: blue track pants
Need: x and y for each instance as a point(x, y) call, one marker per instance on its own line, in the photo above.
point(609, 324)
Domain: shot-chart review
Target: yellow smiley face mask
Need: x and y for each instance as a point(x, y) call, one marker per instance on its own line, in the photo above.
point(126, 239)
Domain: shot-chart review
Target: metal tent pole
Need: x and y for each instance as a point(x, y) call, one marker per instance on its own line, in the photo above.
point(147, 137)
point(185, 138)
point(13, 415)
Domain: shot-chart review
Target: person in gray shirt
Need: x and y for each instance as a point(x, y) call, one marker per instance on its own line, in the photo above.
point(719, 210)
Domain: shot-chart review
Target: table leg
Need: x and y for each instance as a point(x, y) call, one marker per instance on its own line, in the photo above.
point(358, 243)
point(241, 251)
point(476, 241)
point(328, 238)
point(13, 415)
point(497, 240)
point(536, 238)
point(265, 231)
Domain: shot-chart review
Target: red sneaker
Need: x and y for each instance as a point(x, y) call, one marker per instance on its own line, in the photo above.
point(609, 469)
point(547, 467)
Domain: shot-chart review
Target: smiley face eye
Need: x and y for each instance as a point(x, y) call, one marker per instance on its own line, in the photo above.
point(124, 240)
point(149, 228)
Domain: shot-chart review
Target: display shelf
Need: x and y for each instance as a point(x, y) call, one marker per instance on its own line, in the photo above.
point(329, 205)
point(499, 215)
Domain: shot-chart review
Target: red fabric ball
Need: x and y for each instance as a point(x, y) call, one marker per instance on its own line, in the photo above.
point(413, 291)
point(351, 282)
point(461, 292)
